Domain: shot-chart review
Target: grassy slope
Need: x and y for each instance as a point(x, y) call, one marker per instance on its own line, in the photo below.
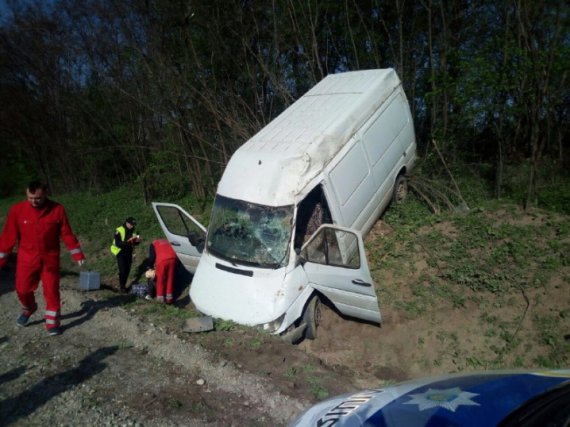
point(501, 273)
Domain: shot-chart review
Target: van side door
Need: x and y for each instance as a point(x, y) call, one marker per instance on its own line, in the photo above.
point(335, 263)
point(186, 235)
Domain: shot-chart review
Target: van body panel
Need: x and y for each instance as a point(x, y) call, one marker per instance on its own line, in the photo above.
point(349, 304)
point(383, 130)
point(248, 300)
point(297, 278)
point(177, 224)
point(296, 146)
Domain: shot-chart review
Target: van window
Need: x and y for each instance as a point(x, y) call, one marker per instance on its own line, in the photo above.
point(333, 247)
point(250, 234)
point(178, 224)
point(313, 211)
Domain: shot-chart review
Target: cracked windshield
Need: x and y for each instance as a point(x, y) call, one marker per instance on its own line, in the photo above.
point(250, 234)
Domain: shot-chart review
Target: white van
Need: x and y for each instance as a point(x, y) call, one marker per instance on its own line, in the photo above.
point(292, 206)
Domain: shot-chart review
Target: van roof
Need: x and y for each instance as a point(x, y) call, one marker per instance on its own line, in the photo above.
point(276, 164)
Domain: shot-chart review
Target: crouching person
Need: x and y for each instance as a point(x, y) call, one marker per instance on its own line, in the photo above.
point(162, 259)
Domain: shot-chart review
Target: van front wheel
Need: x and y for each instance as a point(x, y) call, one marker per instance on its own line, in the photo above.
point(400, 189)
point(312, 318)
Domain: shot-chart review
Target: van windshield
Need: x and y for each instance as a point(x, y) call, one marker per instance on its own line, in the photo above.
point(250, 234)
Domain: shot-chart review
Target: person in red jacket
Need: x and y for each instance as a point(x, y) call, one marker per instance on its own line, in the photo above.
point(162, 259)
point(37, 225)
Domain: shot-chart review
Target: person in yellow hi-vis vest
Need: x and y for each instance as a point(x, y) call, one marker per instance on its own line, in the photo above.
point(123, 242)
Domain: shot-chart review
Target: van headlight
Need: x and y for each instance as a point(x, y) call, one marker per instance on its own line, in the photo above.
point(272, 326)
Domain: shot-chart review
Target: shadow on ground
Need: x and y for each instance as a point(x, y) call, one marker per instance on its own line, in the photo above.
point(7, 276)
point(90, 307)
point(25, 403)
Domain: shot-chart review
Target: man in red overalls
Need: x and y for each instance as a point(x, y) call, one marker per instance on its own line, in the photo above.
point(37, 226)
point(162, 258)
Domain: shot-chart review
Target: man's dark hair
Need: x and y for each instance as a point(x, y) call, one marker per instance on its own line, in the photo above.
point(37, 185)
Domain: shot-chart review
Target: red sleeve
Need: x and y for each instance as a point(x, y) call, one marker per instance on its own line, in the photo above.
point(69, 238)
point(9, 236)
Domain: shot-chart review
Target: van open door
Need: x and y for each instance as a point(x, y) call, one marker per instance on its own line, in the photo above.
point(186, 235)
point(335, 263)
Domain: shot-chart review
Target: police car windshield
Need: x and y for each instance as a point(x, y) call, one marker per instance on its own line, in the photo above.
point(250, 234)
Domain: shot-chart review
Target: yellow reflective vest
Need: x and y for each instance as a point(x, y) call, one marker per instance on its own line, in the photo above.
point(114, 248)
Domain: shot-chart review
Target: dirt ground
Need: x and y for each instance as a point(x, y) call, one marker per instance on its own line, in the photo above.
point(116, 363)
point(125, 361)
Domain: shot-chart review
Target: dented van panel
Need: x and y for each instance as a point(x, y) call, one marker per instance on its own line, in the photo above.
point(298, 144)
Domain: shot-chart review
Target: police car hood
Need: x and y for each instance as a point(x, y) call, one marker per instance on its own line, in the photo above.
point(482, 399)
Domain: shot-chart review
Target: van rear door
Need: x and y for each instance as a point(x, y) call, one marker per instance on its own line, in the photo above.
point(335, 263)
point(186, 235)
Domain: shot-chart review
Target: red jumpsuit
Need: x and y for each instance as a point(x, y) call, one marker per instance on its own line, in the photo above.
point(165, 265)
point(37, 232)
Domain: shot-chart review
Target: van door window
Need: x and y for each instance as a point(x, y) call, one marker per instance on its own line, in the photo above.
point(185, 233)
point(333, 247)
point(179, 224)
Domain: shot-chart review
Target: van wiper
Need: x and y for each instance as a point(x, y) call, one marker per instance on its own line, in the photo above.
point(234, 261)
point(249, 263)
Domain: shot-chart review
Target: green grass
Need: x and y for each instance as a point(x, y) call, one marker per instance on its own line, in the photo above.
point(256, 342)
point(492, 256)
point(174, 403)
point(314, 381)
point(224, 325)
point(551, 336)
point(292, 372)
point(163, 315)
point(480, 254)
point(309, 375)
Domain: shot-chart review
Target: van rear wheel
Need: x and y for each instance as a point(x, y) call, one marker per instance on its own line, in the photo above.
point(400, 189)
point(312, 318)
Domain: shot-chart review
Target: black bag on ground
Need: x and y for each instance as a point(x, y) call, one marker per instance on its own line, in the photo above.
point(139, 289)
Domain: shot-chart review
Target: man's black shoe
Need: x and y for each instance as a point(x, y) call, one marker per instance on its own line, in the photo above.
point(22, 320)
point(54, 331)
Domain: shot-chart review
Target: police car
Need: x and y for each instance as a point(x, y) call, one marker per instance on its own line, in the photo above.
point(493, 398)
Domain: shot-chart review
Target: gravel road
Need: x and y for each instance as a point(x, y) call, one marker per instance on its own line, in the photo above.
point(109, 368)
